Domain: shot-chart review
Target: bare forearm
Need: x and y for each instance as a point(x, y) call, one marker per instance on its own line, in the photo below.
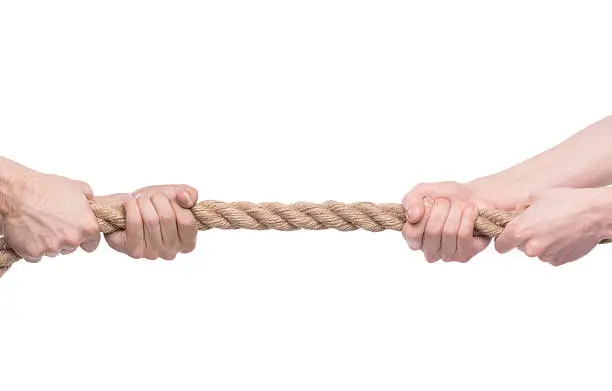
point(584, 160)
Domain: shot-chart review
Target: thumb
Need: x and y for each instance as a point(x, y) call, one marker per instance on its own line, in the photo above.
point(414, 207)
point(117, 240)
point(480, 243)
point(186, 197)
point(87, 190)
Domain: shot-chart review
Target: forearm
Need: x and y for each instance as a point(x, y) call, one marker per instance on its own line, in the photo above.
point(584, 160)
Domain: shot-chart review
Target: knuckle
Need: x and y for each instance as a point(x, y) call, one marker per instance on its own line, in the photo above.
point(470, 211)
point(92, 230)
point(71, 240)
point(51, 245)
point(88, 230)
point(449, 232)
point(186, 221)
point(461, 205)
point(151, 221)
point(443, 201)
point(432, 230)
point(465, 235)
point(519, 234)
point(166, 218)
point(158, 197)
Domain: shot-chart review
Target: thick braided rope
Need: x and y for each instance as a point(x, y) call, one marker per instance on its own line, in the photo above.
point(285, 217)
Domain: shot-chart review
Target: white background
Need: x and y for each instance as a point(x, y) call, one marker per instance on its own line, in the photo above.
point(288, 101)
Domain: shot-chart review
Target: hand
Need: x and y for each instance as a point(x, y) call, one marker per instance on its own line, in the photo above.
point(441, 216)
point(561, 225)
point(49, 215)
point(159, 223)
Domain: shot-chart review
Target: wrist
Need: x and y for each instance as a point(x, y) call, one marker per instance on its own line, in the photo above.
point(602, 205)
point(13, 178)
point(504, 193)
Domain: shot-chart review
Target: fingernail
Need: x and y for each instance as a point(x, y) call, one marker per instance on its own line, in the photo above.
point(187, 196)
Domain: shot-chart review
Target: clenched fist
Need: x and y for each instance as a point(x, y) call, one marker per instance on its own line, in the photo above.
point(47, 215)
point(159, 223)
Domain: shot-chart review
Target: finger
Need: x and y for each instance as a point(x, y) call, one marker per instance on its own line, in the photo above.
point(116, 241)
point(66, 251)
point(432, 238)
point(509, 238)
point(413, 233)
point(479, 244)
point(187, 228)
point(187, 196)
point(414, 207)
point(450, 231)
point(91, 234)
point(51, 246)
point(152, 229)
point(134, 238)
point(167, 221)
point(465, 238)
point(92, 244)
point(31, 253)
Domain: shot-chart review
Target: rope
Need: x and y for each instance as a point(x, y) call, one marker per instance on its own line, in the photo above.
point(285, 217)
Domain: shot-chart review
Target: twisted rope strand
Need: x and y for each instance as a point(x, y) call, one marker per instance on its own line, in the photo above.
point(285, 217)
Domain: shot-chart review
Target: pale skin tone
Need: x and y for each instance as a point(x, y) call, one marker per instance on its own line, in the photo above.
point(568, 212)
point(47, 215)
point(566, 209)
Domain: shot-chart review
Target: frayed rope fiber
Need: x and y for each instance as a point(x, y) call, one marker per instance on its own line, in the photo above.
point(285, 217)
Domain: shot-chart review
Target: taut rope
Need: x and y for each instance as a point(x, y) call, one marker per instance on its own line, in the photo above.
point(285, 217)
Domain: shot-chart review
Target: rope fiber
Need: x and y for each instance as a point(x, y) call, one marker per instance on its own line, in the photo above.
point(285, 217)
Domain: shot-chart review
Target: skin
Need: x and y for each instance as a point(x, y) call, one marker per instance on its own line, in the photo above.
point(159, 223)
point(561, 225)
point(428, 205)
point(47, 215)
point(441, 218)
